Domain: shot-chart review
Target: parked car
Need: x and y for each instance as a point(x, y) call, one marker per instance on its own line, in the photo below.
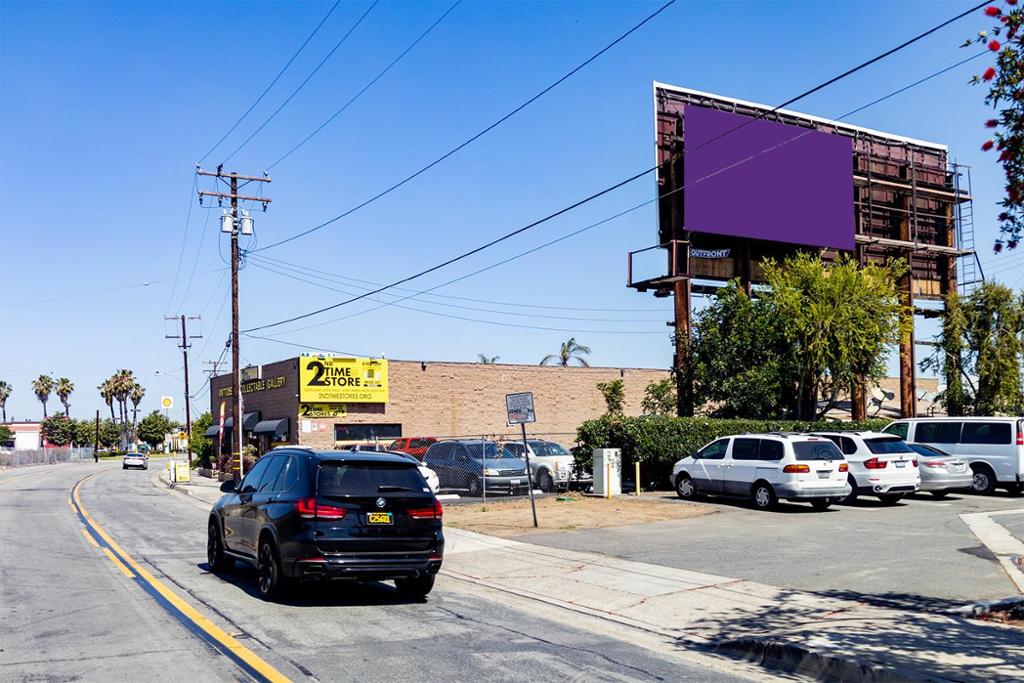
point(471, 465)
point(135, 460)
point(882, 465)
point(304, 514)
point(940, 471)
point(415, 446)
point(992, 446)
point(371, 447)
point(428, 474)
point(765, 468)
point(552, 466)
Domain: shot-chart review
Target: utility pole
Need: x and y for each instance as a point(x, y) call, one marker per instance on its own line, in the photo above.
point(96, 442)
point(183, 344)
point(230, 223)
point(212, 370)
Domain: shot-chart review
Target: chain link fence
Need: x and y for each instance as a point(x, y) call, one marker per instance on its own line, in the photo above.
point(44, 456)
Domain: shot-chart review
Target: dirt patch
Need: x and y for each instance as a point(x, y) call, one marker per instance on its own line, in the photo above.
point(570, 512)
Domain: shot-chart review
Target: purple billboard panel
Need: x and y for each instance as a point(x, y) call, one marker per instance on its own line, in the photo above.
point(766, 180)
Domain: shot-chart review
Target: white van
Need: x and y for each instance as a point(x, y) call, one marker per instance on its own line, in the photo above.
point(994, 446)
point(765, 468)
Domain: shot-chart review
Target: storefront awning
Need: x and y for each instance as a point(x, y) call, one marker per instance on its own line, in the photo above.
point(212, 430)
point(249, 421)
point(272, 427)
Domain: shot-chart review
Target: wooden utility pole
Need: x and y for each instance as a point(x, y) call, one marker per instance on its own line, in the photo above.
point(183, 344)
point(232, 180)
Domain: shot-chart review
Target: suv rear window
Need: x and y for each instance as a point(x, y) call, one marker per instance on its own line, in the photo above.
point(890, 445)
point(367, 479)
point(816, 450)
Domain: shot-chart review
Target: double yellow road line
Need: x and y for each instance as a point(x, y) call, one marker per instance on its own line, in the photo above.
point(189, 617)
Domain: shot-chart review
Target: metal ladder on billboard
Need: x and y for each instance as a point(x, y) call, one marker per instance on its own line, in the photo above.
point(968, 266)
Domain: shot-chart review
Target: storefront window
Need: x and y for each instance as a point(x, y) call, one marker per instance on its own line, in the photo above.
point(366, 432)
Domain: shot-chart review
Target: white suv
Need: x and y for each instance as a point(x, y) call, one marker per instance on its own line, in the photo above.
point(765, 468)
point(881, 465)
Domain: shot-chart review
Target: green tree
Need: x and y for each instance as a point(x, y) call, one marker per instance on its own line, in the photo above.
point(486, 360)
point(200, 444)
point(85, 432)
point(136, 395)
point(840, 320)
point(58, 429)
point(1003, 80)
point(5, 434)
point(569, 352)
point(660, 397)
point(64, 387)
point(154, 427)
point(982, 338)
point(107, 394)
point(42, 386)
point(110, 433)
point(5, 393)
point(614, 393)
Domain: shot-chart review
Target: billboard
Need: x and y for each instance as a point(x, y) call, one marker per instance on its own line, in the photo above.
point(759, 179)
point(338, 379)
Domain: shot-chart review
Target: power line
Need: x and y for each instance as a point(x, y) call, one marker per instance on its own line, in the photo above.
point(342, 278)
point(184, 241)
point(589, 227)
point(306, 346)
point(303, 84)
point(367, 86)
point(195, 261)
point(478, 135)
point(271, 85)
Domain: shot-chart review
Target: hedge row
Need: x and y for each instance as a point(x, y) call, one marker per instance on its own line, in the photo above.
point(658, 442)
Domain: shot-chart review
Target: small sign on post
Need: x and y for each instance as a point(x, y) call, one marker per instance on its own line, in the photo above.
point(520, 411)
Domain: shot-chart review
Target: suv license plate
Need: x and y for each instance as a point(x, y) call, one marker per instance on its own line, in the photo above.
point(900, 463)
point(378, 518)
point(824, 474)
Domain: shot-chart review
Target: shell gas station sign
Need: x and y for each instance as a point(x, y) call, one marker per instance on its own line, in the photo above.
point(338, 379)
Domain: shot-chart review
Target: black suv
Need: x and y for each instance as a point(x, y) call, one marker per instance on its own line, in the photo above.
point(303, 514)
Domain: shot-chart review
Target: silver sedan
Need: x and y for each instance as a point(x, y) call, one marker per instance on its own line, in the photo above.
point(941, 472)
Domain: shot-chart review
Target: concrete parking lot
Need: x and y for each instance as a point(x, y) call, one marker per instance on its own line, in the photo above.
point(917, 553)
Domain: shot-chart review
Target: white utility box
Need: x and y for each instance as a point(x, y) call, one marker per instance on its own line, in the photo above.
point(607, 472)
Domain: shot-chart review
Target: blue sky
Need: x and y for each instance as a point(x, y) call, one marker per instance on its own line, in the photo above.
point(106, 108)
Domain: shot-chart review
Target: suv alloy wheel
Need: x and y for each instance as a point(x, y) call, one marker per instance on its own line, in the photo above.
point(215, 549)
point(270, 580)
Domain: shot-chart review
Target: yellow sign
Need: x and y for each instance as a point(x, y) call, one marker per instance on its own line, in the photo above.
point(335, 379)
point(167, 402)
point(181, 472)
point(182, 436)
point(322, 410)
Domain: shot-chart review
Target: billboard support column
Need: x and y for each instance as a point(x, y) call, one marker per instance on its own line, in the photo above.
point(682, 362)
point(908, 401)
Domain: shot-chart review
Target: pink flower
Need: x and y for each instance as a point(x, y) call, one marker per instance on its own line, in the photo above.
point(997, 247)
point(1012, 244)
point(991, 123)
point(1011, 2)
point(992, 11)
point(994, 45)
point(987, 145)
point(989, 74)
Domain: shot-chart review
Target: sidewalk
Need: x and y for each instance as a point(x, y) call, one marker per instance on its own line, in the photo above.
point(823, 636)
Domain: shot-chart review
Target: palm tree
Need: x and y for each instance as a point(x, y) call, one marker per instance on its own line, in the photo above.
point(64, 387)
point(107, 393)
point(122, 383)
point(570, 351)
point(486, 360)
point(136, 396)
point(5, 392)
point(42, 386)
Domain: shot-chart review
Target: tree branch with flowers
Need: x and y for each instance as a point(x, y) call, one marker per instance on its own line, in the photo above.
point(1006, 96)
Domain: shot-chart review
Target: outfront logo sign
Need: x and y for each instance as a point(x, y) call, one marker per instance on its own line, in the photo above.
point(336, 379)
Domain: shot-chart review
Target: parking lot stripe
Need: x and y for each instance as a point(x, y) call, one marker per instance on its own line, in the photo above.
point(191, 618)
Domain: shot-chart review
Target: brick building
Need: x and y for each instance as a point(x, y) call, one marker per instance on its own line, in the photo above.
point(426, 398)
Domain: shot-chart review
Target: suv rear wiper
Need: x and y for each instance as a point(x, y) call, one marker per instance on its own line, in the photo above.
point(386, 487)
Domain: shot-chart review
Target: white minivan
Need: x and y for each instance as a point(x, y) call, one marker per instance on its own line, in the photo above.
point(765, 468)
point(994, 446)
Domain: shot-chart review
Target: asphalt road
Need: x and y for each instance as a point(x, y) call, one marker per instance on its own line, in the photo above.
point(68, 613)
point(918, 552)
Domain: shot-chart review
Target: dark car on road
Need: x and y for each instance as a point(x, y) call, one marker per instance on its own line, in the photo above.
point(472, 464)
point(301, 514)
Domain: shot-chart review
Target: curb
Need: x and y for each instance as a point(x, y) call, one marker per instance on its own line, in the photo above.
point(983, 609)
point(792, 658)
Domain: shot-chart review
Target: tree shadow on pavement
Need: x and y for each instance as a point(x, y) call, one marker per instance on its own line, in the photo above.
point(318, 593)
point(782, 507)
point(898, 632)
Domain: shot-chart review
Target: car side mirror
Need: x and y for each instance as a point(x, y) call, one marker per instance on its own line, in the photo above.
point(228, 486)
point(695, 455)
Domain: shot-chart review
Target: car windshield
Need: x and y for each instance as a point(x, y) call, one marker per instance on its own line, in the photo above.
point(367, 479)
point(490, 450)
point(556, 449)
point(816, 450)
point(887, 445)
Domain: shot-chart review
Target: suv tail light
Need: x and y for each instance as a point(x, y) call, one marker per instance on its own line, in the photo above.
point(875, 464)
point(308, 508)
point(796, 469)
point(435, 512)
point(914, 462)
point(843, 467)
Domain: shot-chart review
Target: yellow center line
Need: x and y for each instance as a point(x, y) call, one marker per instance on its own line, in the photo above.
point(193, 615)
point(120, 565)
